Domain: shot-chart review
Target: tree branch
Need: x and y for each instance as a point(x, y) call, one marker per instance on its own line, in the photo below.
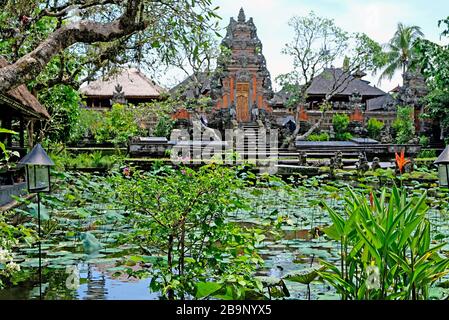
point(30, 65)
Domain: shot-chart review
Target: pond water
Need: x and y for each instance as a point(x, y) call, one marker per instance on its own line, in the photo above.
point(299, 244)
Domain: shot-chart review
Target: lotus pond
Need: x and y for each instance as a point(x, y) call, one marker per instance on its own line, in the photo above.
point(85, 257)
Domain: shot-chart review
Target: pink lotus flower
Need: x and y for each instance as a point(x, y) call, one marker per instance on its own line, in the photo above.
point(126, 172)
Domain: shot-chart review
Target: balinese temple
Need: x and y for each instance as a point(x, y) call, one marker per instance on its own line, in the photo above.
point(350, 94)
point(245, 83)
point(241, 88)
point(128, 86)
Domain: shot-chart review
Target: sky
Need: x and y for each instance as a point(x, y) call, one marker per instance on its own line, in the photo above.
point(377, 18)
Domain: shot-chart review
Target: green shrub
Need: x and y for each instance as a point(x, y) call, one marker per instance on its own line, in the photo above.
point(88, 124)
point(374, 128)
point(424, 141)
point(426, 154)
point(340, 122)
point(404, 126)
point(164, 127)
point(120, 124)
point(385, 248)
point(116, 125)
point(318, 137)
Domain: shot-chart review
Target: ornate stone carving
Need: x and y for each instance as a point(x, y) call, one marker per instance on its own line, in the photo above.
point(247, 65)
point(118, 96)
point(376, 164)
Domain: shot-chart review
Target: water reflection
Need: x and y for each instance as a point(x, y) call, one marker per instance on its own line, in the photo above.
point(96, 284)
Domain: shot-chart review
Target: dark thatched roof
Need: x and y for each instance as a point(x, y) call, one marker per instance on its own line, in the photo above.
point(187, 87)
point(280, 98)
point(335, 79)
point(384, 102)
point(21, 99)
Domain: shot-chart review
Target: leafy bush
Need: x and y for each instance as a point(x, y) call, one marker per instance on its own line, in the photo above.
point(10, 237)
point(426, 154)
point(88, 124)
point(181, 218)
point(404, 126)
point(120, 124)
point(164, 127)
point(424, 141)
point(374, 128)
point(385, 248)
point(340, 122)
point(318, 137)
point(116, 125)
point(62, 103)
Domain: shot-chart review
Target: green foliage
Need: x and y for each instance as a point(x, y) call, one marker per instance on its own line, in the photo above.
point(385, 246)
point(88, 124)
point(164, 127)
point(62, 103)
point(10, 236)
point(374, 128)
point(116, 125)
point(318, 137)
point(402, 52)
point(424, 141)
point(340, 122)
point(6, 155)
point(427, 154)
point(434, 64)
point(119, 125)
point(96, 159)
point(404, 126)
point(181, 218)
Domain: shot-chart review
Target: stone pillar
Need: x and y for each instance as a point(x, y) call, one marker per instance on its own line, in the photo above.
point(232, 89)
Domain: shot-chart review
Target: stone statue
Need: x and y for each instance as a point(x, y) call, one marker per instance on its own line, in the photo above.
point(302, 158)
point(362, 164)
point(118, 96)
point(385, 135)
point(255, 113)
point(376, 164)
point(233, 112)
point(414, 140)
point(331, 133)
point(337, 161)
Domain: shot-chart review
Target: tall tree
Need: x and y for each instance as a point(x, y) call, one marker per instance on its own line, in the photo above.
point(433, 60)
point(35, 32)
point(401, 50)
point(317, 44)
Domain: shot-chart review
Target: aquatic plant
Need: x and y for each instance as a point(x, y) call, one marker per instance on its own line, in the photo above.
point(391, 236)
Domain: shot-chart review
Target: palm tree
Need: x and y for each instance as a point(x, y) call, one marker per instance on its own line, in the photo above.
point(400, 50)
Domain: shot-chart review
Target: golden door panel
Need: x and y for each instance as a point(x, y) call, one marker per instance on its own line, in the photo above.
point(242, 102)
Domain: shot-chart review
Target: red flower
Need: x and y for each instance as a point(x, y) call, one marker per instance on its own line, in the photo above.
point(401, 161)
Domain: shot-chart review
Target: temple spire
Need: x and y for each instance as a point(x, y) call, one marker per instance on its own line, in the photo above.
point(241, 17)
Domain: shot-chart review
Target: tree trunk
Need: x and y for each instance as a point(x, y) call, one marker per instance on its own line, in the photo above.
point(29, 66)
point(170, 292)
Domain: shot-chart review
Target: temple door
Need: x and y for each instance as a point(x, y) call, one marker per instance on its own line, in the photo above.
point(242, 102)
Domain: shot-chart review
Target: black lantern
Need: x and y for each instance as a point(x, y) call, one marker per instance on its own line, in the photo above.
point(38, 166)
point(443, 168)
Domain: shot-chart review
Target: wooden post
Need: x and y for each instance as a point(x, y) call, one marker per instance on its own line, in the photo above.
point(21, 133)
point(30, 129)
point(8, 125)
